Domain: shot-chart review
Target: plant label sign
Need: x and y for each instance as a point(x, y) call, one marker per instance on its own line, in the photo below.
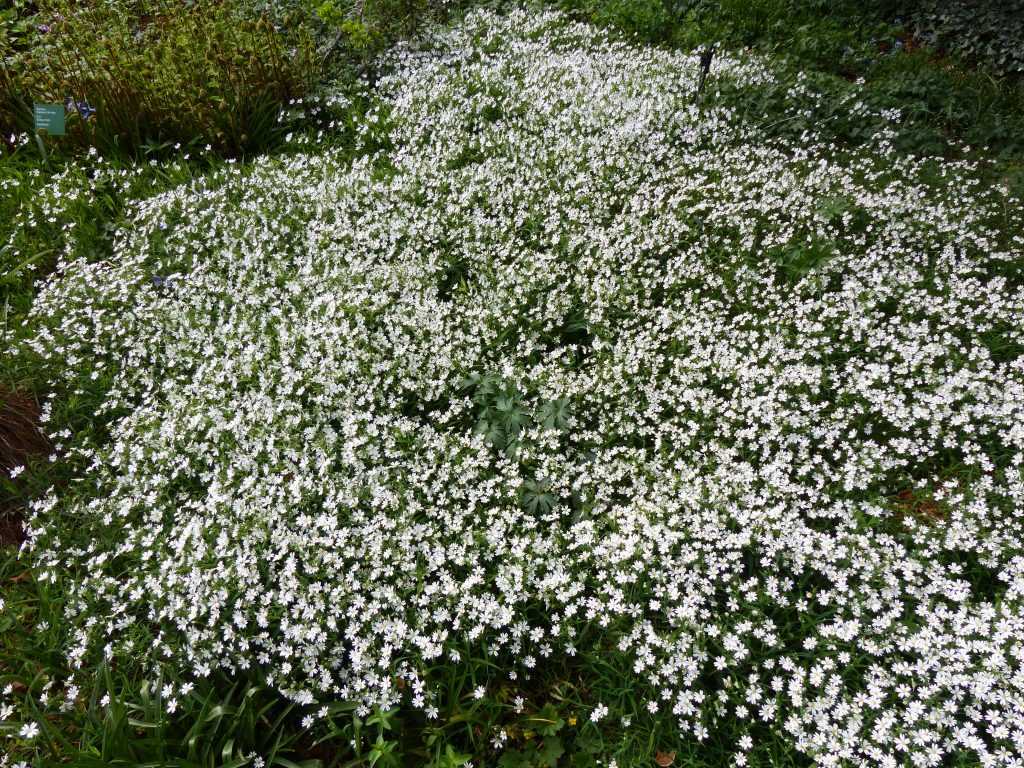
point(49, 118)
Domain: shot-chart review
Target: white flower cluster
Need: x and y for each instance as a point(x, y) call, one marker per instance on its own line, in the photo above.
point(564, 348)
point(26, 731)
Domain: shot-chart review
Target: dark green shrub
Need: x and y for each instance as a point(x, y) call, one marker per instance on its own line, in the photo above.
point(362, 28)
point(990, 32)
point(154, 71)
point(647, 19)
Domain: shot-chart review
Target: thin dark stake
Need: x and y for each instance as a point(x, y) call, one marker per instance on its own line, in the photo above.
point(705, 66)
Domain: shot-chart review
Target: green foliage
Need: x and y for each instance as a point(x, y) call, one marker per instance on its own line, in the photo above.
point(646, 19)
point(830, 42)
point(16, 26)
point(128, 717)
point(954, 102)
point(817, 29)
point(220, 724)
point(503, 415)
point(990, 32)
point(363, 28)
point(155, 71)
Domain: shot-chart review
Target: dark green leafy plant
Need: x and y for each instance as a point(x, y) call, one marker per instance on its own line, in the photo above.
point(502, 414)
point(990, 32)
point(362, 28)
point(140, 72)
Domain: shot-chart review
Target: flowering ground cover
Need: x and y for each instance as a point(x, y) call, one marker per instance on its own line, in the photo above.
point(570, 394)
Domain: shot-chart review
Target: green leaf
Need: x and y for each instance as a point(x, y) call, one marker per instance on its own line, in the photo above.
point(495, 435)
point(513, 758)
point(583, 760)
point(550, 751)
point(341, 707)
point(383, 752)
point(452, 759)
point(554, 414)
point(536, 497)
point(383, 719)
point(588, 741)
point(547, 722)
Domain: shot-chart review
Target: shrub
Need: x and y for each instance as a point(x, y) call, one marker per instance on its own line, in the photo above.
point(363, 28)
point(786, 22)
point(144, 72)
point(646, 19)
point(986, 31)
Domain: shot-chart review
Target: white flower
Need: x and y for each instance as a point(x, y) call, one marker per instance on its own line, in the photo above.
point(744, 410)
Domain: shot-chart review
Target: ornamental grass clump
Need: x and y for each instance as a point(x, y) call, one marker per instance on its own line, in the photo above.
point(564, 364)
point(146, 73)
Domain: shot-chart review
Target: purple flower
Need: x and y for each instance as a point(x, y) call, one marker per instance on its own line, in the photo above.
point(44, 28)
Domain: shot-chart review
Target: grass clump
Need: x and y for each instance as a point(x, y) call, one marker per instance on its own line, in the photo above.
point(142, 73)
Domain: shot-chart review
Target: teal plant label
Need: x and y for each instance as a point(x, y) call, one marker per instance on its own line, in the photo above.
point(50, 118)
